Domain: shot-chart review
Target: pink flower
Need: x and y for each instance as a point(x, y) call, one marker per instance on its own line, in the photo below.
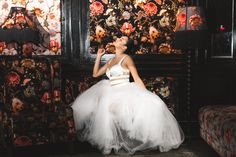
point(26, 81)
point(159, 2)
point(150, 8)
point(105, 1)
point(5, 6)
point(46, 98)
point(96, 8)
point(195, 21)
point(54, 46)
point(127, 28)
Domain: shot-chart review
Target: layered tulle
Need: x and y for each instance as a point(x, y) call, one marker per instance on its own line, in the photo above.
point(125, 118)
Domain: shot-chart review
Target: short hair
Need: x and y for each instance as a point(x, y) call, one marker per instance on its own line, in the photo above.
point(130, 46)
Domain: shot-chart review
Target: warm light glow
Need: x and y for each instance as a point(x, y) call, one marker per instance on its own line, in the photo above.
point(190, 18)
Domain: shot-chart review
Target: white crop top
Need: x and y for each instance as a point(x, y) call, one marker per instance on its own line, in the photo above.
point(117, 74)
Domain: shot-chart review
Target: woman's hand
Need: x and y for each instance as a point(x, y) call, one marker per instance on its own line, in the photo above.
point(97, 71)
point(101, 52)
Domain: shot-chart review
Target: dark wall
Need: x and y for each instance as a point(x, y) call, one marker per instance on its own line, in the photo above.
point(213, 83)
point(213, 77)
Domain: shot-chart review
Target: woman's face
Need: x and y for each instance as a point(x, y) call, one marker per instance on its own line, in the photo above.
point(120, 43)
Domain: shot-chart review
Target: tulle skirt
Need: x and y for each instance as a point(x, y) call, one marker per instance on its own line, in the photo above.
point(125, 118)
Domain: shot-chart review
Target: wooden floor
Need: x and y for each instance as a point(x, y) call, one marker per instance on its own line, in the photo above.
point(191, 148)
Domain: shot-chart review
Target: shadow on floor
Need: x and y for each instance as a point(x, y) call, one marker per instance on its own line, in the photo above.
point(191, 148)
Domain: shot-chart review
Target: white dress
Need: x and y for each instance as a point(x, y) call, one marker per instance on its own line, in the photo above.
point(118, 114)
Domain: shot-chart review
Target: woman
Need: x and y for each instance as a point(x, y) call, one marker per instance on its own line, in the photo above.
point(123, 116)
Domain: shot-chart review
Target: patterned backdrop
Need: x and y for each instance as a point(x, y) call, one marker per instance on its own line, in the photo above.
point(31, 102)
point(48, 14)
point(149, 23)
point(31, 107)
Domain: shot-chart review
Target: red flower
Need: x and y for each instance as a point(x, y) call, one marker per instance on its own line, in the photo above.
point(23, 141)
point(12, 79)
point(127, 28)
point(96, 8)
point(20, 18)
point(150, 8)
point(54, 46)
point(2, 46)
point(27, 49)
point(46, 98)
point(182, 18)
point(57, 95)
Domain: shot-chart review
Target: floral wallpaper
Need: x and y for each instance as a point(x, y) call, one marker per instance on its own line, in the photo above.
point(48, 14)
point(165, 88)
point(149, 23)
point(31, 100)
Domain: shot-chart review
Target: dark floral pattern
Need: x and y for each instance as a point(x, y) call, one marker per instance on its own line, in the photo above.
point(149, 23)
point(5, 128)
point(72, 88)
point(32, 100)
point(218, 128)
point(165, 88)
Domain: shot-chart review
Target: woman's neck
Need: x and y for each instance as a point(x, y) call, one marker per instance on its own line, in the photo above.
point(119, 53)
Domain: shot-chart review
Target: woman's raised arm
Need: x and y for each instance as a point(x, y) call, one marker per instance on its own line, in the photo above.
point(97, 71)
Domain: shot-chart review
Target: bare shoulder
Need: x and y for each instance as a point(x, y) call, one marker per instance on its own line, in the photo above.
point(128, 58)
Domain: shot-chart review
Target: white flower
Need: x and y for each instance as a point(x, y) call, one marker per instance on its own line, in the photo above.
point(50, 3)
point(126, 15)
point(162, 12)
point(111, 20)
point(108, 11)
point(165, 92)
point(158, 79)
point(138, 2)
point(164, 21)
point(141, 1)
